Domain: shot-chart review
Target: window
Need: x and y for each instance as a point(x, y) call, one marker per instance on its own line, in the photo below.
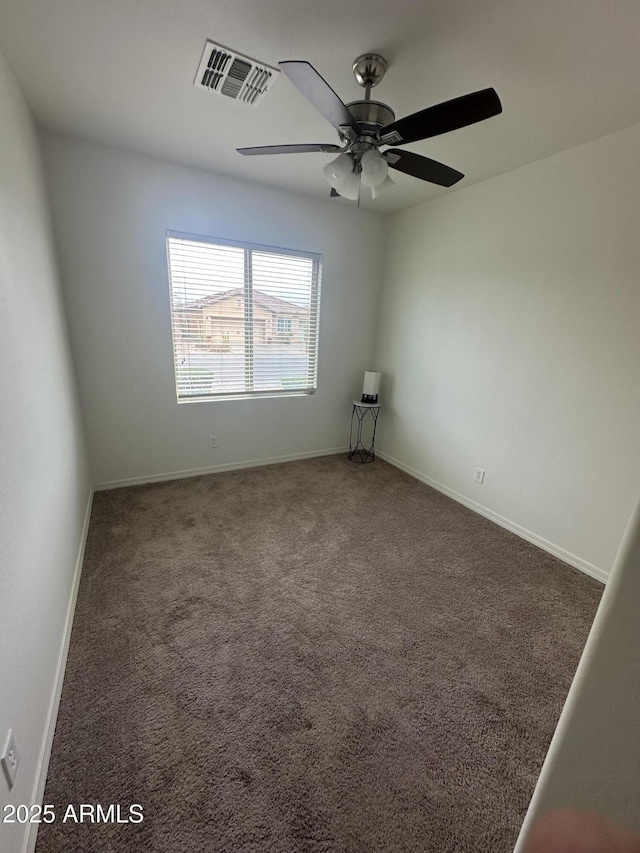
point(283, 325)
point(244, 318)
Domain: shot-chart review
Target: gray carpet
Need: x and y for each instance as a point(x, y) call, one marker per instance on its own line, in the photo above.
point(314, 656)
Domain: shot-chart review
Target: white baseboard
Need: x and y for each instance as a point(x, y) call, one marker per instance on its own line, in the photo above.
point(54, 704)
point(550, 547)
point(217, 469)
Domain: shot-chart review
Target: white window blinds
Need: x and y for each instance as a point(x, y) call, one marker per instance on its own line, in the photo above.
point(244, 318)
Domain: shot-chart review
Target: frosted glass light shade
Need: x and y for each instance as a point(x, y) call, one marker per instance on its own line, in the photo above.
point(374, 168)
point(338, 170)
point(380, 188)
point(350, 187)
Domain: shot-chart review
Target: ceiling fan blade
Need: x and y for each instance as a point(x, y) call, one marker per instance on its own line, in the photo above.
point(422, 167)
point(290, 149)
point(334, 193)
point(450, 115)
point(318, 92)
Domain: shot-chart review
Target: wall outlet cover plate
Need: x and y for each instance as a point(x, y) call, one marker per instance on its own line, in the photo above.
point(10, 759)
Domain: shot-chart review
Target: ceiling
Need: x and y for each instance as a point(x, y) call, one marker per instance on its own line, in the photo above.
point(121, 72)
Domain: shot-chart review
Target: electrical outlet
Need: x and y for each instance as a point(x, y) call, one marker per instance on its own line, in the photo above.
point(213, 442)
point(479, 475)
point(10, 759)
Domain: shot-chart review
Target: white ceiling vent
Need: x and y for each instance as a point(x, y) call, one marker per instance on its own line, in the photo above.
point(228, 73)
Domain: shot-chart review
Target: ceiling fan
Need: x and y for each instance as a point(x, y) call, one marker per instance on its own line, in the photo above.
point(364, 126)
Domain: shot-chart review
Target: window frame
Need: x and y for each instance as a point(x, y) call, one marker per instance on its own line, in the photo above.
point(312, 333)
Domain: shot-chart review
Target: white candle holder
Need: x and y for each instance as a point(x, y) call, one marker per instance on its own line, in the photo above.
point(371, 387)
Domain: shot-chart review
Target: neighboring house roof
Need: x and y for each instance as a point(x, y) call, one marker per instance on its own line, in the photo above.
point(271, 303)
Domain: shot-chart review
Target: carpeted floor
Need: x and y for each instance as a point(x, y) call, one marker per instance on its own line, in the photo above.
point(314, 656)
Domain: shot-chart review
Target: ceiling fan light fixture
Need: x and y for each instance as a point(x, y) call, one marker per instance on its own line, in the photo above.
point(374, 168)
point(338, 170)
point(382, 187)
point(365, 125)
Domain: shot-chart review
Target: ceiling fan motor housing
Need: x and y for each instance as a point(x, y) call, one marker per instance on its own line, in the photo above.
point(371, 117)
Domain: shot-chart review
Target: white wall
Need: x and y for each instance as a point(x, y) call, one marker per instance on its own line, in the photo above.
point(508, 337)
point(44, 483)
point(593, 759)
point(111, 210)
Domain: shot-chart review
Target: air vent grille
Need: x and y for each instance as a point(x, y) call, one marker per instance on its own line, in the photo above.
point(226, 72)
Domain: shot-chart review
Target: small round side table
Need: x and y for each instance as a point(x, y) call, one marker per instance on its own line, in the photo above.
point(360, 415)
